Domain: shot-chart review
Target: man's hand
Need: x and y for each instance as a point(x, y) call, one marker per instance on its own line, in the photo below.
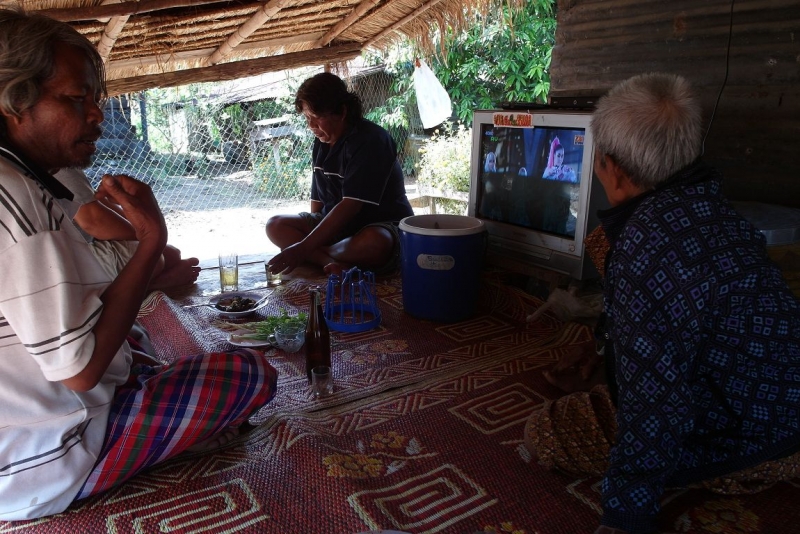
point(289, 258)
point(579, 369)
point(123, 297)
point(139, 207)
point(311, 247)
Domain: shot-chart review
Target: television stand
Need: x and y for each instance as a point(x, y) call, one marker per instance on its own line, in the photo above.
point(539, 281)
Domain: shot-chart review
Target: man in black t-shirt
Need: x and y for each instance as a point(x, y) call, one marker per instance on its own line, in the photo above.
point(357, 189)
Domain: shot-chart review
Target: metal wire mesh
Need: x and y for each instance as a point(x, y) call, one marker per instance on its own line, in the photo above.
point(226, 149)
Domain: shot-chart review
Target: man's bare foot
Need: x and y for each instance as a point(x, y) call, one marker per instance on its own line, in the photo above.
point(223, 438)
point(216, 441)
point(182, 273)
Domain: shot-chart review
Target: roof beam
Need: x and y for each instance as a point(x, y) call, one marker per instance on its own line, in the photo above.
point(360, 10)
point(110, 33)
point(75, 14)
point(235, 70)
point(112, 30)
point(165, 60)
point(269, 10)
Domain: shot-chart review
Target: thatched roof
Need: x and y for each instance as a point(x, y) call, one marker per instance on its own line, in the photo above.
point(163, 43)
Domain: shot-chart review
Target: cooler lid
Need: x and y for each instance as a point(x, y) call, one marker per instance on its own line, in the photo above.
point(779, 224)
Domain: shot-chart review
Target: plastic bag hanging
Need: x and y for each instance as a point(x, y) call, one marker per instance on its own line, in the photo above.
point(432, 99)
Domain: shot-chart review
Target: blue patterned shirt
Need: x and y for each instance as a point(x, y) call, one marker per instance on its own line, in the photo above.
point(706, 341)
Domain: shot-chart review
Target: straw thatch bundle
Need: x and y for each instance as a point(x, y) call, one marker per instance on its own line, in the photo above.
point(162, 43)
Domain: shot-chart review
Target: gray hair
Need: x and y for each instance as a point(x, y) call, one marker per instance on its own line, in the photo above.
point(27, 49)
point(651, 124)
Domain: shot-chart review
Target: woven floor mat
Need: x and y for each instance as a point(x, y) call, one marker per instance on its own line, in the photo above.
point(423, 434)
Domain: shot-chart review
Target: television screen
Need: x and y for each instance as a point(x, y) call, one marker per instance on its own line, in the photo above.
point(531, 183)
point(531, 177)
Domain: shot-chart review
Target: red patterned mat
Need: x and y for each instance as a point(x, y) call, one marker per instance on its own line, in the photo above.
point(423, 435)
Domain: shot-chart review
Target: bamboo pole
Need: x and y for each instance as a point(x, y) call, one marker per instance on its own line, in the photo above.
point(235, 70)
point(346, 22)
point(244, 31)
point(110, 34)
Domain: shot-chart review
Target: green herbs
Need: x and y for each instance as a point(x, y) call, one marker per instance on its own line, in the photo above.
point(263, 329)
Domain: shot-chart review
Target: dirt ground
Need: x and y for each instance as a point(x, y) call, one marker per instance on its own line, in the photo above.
point(204, 234)
point(220, 213)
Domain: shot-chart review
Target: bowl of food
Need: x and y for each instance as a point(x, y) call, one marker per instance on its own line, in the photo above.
point(236, 304)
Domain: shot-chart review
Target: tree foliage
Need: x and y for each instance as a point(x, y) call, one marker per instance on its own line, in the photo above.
point(393, 113)
point(444, 159)
point(505, 56)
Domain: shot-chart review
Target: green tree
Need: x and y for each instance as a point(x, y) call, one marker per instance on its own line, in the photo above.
point(444, 167)
point(394, 113)
point(505, 56)
point(444, 161)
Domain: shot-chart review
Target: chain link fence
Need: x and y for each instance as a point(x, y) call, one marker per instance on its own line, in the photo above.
point(230, 145)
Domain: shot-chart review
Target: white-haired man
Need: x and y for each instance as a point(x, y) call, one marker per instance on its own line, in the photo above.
point(703, 334)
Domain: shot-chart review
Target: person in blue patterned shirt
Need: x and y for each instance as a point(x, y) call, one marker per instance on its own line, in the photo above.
point(703, 333)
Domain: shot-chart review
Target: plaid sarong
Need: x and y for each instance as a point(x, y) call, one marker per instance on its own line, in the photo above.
point(161, 411)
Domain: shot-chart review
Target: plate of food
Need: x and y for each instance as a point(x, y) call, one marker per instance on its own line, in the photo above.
point(236, 304)
point(247, 339)
point(262, 332)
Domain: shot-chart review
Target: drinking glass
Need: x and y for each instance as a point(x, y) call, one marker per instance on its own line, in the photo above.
point(321, 381)
point(273, 279)
point(229, 272)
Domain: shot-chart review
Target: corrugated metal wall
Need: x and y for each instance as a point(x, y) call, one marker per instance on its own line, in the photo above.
point(755, 135)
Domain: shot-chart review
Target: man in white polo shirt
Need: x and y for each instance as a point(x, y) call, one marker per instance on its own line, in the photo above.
point(80, 410)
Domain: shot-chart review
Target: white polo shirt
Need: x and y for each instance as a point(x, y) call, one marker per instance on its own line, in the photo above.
point(50, 436)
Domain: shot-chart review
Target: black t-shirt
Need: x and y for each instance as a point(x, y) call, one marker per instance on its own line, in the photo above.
point(362, 165)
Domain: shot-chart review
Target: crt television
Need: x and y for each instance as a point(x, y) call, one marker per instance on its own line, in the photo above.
point(532, 184)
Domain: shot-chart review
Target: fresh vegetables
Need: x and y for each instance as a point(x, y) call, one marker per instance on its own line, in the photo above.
point(263, 329)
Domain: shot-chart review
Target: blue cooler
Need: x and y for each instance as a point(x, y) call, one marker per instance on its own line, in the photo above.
point(441, 266)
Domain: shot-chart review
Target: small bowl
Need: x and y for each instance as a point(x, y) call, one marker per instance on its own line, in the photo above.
point(214, 301)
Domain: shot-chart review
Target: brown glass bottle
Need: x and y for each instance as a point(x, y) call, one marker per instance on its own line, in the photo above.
point(318, 338)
